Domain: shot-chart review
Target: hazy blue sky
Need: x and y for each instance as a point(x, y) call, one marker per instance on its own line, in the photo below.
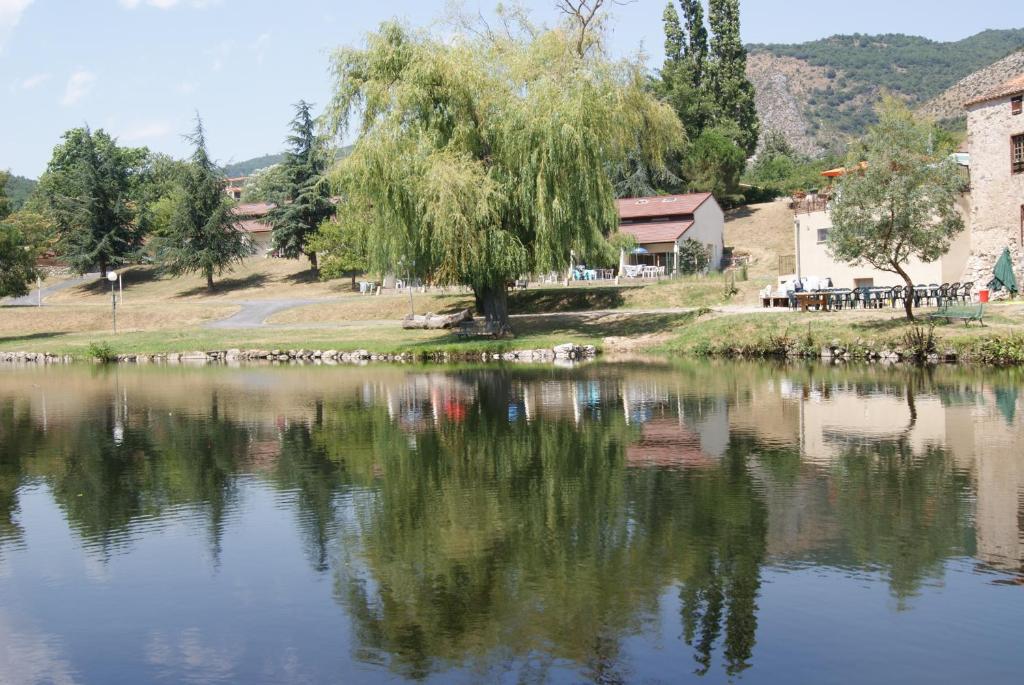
point(140, 68)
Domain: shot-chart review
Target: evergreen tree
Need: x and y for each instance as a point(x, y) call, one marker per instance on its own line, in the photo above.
point(675, 36)
point(202, 234)
point(303, 167)
point(696, 51)
point(91, 192)
point(732, 92)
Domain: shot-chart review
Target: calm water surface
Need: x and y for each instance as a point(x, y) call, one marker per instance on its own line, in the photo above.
point(613, 523)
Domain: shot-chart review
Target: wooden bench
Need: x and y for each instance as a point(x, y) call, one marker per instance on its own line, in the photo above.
point(965, 314)
point(475, 328)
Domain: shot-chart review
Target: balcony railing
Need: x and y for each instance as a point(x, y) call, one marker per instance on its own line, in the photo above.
point(806, 205)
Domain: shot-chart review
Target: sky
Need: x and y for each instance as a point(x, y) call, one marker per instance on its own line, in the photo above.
point(141, 69)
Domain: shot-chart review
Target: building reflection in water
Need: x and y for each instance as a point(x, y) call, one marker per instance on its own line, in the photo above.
point(465, 512)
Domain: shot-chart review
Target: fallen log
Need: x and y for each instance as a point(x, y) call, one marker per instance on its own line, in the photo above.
point(432, 321)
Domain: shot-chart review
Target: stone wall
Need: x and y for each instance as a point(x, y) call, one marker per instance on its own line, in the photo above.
point(996, 194)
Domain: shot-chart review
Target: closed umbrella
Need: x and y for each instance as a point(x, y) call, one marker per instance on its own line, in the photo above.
point(1004, 276)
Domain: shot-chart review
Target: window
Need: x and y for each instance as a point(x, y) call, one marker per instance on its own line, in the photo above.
point(822, 235)
point(863, 283)
point(1017, 154)
point(1017, 105)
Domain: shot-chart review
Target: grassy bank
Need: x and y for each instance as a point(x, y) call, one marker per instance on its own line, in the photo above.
point(1000, 341)
point(386, 337)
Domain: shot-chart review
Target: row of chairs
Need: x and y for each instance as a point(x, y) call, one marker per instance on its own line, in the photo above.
point(877, 298)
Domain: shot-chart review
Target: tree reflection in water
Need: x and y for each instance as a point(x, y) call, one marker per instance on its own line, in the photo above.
point(465, 523)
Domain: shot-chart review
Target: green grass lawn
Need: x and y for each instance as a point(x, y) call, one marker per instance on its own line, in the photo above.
point(385, 337)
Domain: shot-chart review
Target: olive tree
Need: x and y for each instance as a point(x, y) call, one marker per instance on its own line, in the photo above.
point(899, 199)
point(479, 158)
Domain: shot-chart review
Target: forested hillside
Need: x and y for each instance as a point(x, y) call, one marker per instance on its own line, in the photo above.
point(18, 189)
point(246, 167)
point(822, 92)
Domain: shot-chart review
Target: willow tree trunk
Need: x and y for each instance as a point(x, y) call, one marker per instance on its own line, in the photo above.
point(493, 301)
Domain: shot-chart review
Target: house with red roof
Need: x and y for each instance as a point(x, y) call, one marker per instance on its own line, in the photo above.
point(662, 224)
point(252, 218)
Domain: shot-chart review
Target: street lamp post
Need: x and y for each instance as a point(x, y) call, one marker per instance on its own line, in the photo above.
point(112, 277)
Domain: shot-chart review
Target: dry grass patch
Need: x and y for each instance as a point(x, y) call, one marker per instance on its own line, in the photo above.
point(257, 278)
point(19, 322)
point(387, 307)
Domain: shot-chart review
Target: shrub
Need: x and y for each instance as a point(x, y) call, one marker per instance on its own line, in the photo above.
point(100, 351)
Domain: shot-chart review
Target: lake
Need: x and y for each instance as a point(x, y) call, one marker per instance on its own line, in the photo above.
point(641, 522)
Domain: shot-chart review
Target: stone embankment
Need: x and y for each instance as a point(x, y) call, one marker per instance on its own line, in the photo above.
point(565, 352)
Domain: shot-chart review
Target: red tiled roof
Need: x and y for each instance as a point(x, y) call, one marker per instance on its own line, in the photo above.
point(657, 231)
point(253, 209)
point(253, 226)
point(668, 205)
point(1014, 86)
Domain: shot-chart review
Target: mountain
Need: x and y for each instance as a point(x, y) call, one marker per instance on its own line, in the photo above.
point(246, 167)
point(18, 189)
point(822, 93)
point(949, 105)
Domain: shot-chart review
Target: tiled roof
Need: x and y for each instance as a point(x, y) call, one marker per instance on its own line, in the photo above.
point(668, 205)
point(657, 231)
point(1014, 86)
point(253, 226)
point(253, 209)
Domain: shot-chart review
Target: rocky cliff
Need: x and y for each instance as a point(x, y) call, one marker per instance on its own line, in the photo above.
point(950, 103)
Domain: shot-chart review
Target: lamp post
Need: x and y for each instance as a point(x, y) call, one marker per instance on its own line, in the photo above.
point(112, 277)
point(412, 309)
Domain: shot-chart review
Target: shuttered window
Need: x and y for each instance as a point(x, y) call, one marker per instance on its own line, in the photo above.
point(1017, 105)
point(1017, 154)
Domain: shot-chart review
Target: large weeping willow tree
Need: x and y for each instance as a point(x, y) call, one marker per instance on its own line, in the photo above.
point(483, 157)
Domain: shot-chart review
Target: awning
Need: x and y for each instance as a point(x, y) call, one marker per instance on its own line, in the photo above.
point(841, 171)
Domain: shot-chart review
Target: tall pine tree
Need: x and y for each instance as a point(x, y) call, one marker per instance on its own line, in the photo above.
point(696, 51)
point(91, 190)
point(675, 36)
point(309, 204)
point(202, 235)
point(732, 92)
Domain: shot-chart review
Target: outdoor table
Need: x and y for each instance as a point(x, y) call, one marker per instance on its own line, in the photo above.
point(805, 300)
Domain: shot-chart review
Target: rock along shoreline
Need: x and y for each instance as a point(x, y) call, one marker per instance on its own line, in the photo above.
point(560, 353)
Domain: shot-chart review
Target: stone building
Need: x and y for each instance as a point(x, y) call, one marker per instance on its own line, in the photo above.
point(995, 131)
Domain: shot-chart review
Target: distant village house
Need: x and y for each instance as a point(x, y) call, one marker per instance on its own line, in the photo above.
point(661, 225)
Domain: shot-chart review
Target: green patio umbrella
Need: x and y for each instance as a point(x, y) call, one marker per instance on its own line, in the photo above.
point(1004, 277)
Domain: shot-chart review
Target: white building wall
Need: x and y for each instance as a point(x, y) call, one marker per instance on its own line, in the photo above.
point(709, 230)
point(814, 259)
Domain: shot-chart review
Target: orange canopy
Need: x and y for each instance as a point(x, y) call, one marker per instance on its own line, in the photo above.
point(841, 171)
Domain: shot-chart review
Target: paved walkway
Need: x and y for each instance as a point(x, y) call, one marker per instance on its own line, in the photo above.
point(254, 313)
point(32, 299)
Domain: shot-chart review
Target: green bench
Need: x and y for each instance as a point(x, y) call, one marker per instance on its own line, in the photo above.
point(965, 314)
point(475, 328)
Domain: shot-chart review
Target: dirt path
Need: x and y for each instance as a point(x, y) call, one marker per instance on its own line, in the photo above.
point(254, 314)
